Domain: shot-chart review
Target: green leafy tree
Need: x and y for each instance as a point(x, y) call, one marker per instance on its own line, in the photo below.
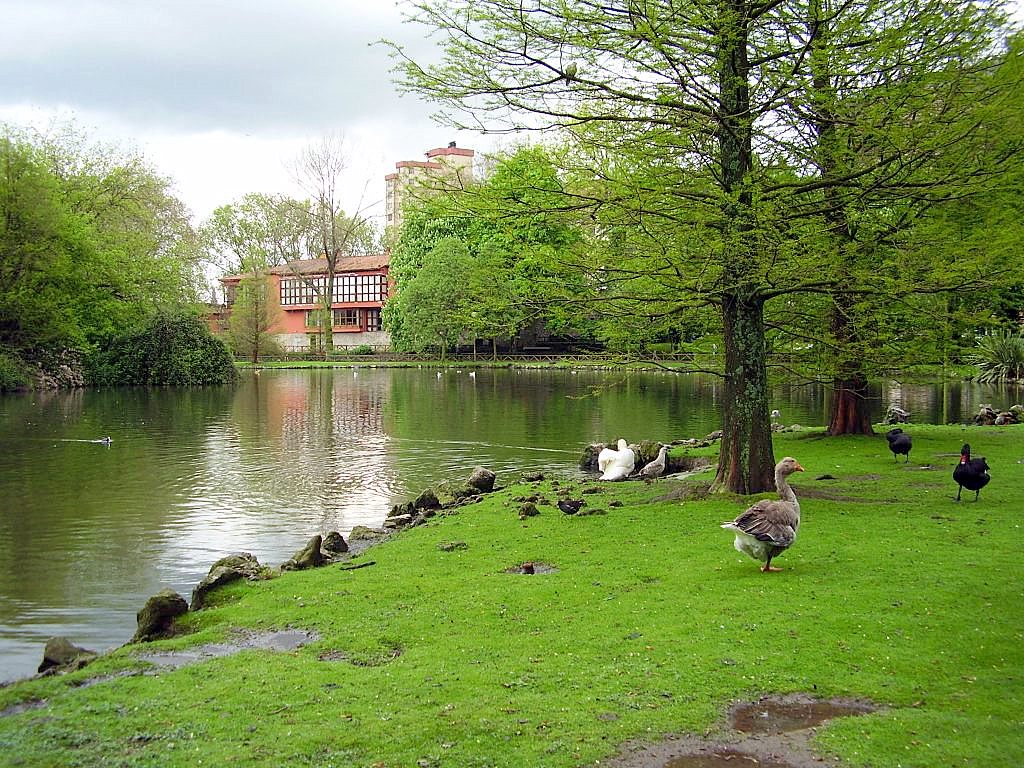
point(517, 240)
point(255, 233)
point(701, 120)
point(434, 311)
point(91, 243)
point(253, 316)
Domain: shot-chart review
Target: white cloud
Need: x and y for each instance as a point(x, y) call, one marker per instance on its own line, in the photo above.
point(221, 96)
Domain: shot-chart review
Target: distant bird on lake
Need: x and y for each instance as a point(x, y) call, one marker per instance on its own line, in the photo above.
point(616, 464)
point(768, 528)
point(655, 468)
point(971, 474)
point(899, 442)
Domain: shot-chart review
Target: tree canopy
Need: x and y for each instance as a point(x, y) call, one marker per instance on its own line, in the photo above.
point(770, 160)
point(91, 242)
point(513, 243)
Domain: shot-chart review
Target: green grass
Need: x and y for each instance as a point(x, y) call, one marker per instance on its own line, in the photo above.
point(651, 624)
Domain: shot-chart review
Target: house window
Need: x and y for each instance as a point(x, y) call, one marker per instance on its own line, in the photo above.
point(372, 319)
point(360, 288)
point(312, 318)
point(347, 288)
point(346, 317)
point(296, 291)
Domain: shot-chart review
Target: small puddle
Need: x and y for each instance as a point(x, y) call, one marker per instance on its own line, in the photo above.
point(724, 758)
point(793, 713)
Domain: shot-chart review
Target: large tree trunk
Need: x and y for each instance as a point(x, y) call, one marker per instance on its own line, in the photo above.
point(849, 413)
point(849, 386)
point(328, 318)
point(746, 463)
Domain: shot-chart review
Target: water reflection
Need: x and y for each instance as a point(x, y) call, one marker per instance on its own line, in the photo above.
point(89, 531)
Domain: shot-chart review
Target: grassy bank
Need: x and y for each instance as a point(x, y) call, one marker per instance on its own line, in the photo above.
point(648, 623)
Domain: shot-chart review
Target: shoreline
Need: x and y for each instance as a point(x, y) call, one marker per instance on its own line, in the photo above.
point(646, 623)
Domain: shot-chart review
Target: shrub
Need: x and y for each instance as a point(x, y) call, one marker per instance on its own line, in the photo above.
point(13, 373)
point(363, 349)
point(1000, 356)
point(175, 349)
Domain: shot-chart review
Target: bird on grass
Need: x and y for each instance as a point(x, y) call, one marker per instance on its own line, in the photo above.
point(655, 468)
point(616, 464)
point(899, 442)
point(768, 528)
point(570, 506)
point(971, 474)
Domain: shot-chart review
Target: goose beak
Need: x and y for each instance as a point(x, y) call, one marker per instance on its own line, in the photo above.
point(798, 467)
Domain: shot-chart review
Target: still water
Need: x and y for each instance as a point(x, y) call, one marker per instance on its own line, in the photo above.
point(88, 531)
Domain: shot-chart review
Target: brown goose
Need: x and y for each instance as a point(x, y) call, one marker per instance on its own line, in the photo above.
point(768, 527)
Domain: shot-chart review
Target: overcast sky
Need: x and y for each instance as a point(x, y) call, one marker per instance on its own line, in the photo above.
point(222, 95)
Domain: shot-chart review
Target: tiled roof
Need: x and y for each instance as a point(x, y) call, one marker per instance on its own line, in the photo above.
point(319, 266)
point(344, 264)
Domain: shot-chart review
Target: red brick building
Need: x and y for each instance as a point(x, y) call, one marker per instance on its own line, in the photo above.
point(360, 290)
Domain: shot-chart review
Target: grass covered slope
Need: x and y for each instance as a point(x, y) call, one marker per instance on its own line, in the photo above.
point(649, 623)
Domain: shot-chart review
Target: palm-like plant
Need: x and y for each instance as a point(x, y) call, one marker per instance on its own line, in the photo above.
point(1000, 356)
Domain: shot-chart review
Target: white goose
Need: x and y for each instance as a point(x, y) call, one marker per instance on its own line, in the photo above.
point(768, 527)
point(616, 464)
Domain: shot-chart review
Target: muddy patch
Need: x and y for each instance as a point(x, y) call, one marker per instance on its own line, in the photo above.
point(772, 732)
point(685, 493)
point(372, 659)
point(531, 568)
point(274, 640)
point(782, 714)
point(723, 758)
point(828, 495)
point(23, 706)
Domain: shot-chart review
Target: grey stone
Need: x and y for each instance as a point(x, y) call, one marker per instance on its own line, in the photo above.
point(309, 557)
point(334, 543)
point(427, 500)
point(61, 655)
point(156, 619)
point(482, 479)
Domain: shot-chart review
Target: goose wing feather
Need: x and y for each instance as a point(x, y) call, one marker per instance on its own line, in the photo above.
point(770, 521)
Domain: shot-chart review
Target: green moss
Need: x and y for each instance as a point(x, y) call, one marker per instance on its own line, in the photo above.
point(647, 623)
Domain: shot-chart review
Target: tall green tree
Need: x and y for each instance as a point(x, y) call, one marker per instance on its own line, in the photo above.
point(516, 238)
point(433, 309)
point(91, 242)
point(255, 233)
point(695, 118)
point(253, 316)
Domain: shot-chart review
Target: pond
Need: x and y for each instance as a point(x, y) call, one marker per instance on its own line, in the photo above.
point(90, 530)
